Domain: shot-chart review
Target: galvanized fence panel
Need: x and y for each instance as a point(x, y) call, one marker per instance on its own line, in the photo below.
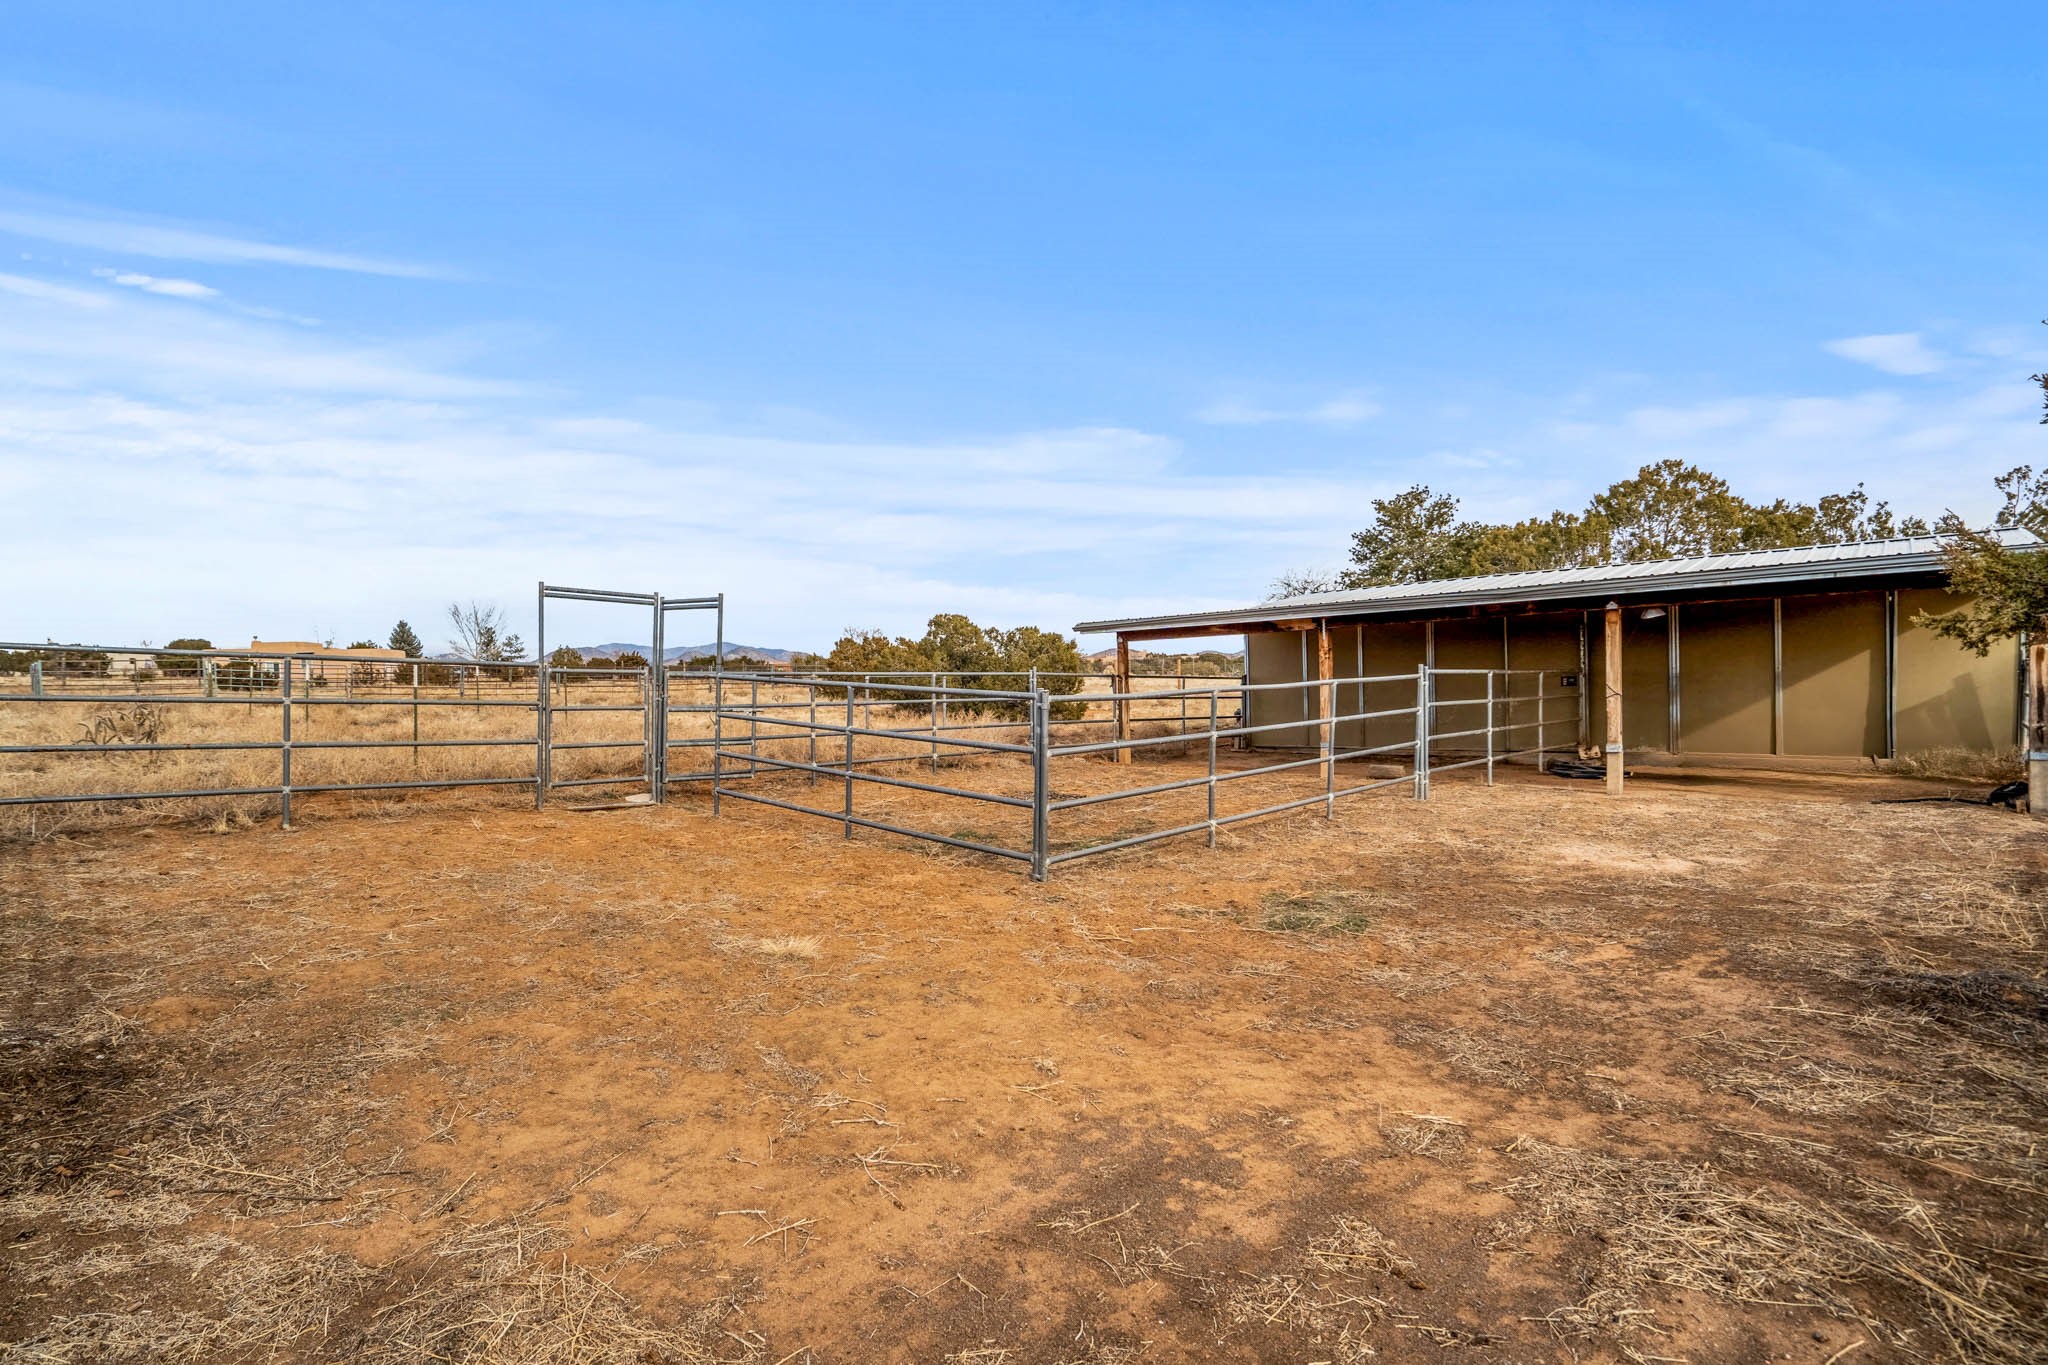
point(767, 738)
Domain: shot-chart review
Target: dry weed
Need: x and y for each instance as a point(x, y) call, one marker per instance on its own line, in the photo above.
point(1680, 1224)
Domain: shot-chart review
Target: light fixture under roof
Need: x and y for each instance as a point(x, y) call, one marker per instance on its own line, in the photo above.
point(1652, 613)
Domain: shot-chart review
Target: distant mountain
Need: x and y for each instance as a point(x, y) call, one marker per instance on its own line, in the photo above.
point(703, 651)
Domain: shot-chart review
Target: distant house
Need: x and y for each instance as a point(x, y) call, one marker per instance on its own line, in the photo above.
point(327, 663)
point(1814, 651)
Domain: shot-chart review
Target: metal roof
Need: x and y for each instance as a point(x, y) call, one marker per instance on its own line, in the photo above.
point(1804, 563)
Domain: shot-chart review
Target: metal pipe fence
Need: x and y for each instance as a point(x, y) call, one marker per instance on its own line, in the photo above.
point(928, 731)
point(124, 723)
point(876, 740)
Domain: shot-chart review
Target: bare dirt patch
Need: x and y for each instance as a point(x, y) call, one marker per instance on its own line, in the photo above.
point(1762, 1079)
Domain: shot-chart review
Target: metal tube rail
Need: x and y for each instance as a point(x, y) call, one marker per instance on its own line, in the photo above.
point(1177, 831)
point(1103, 746)
point(183, 795)
point(823, 728)
point(970, 845)
point(1100, 798)
point(960, 792)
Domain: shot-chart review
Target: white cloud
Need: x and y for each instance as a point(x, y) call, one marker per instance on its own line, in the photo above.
point(200, 472)
point(170, 242)
point(1892, 352)
point(1344, 410)
point(153, 284)
point(46, 292)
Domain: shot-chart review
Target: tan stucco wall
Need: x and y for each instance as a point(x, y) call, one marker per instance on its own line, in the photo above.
point(1549, 642)
point(1834, 678)
point(1645, 681)
point(1834, 674)
point(1272, 657)
point(1724, 682)
point(1947, 695)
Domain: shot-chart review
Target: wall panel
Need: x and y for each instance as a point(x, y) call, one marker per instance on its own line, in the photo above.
point(1645, 680)
point(1277, 656)
point(1725, 677)
point(1947, 696)
point(1834, 674)
point(1549, 642)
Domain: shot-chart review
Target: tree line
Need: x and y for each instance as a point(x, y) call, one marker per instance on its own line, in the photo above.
point(1673, 509)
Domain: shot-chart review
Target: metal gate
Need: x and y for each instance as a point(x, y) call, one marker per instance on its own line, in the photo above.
point(615, 691)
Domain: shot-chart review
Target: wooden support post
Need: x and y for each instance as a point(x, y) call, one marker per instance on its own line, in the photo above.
point(1326, 700)
point(1120, 709)
point(2037, 726)
point(1615, 750)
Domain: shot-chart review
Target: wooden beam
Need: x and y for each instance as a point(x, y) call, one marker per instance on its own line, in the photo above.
point(1121, 710)
point(1198, 632)
point(1615, 750)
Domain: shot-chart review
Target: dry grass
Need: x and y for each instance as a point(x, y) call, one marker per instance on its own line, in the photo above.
point(804, 946)
point(370, 1055)
point(1684, 1225)
point(1950, 764)
point(176, 715)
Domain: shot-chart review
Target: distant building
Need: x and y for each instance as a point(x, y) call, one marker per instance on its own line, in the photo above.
point(326, 662)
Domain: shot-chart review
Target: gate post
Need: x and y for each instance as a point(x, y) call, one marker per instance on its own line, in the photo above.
point(1041, 785)
point(1422, 732)
point(284, 762)
point(541, 700)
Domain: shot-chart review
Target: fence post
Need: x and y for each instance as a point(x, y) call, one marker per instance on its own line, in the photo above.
point(1041, 773)
point(1542, 733)
point(284, 752)
point(540, 731)
point(717, 733)
point(849, 761)
point(1212, 767)
point(933, 699)
point(208, 686)
point(1489, 727)
point(1422, 732)
point(812, 778)
point(35, 678)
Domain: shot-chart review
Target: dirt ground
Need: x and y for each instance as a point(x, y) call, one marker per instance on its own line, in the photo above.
point(1738, 1068)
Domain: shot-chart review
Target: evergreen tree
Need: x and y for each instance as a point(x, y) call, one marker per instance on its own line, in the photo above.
point(404, 637)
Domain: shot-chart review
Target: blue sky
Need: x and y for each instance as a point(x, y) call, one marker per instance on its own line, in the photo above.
point(315, 317)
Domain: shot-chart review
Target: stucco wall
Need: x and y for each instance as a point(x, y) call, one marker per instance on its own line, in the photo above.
point(1834, 674)
point(1946, 695)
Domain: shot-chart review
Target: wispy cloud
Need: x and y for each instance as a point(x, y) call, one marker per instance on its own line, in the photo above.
point(28, 287)
point(152, 284)
point(1344, 410)
point(333, 485)
point(177, 243)
point(1892, 352)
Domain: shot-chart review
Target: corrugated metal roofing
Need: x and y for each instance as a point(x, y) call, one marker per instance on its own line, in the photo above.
point(1864, 559)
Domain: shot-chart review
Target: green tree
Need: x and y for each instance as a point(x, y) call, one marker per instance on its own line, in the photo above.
point(1414, 537)
point(365, 644)
point(404, 637)
point(565, 656)
point(2008, 587)
point(1662, 511)
point(963, 654)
